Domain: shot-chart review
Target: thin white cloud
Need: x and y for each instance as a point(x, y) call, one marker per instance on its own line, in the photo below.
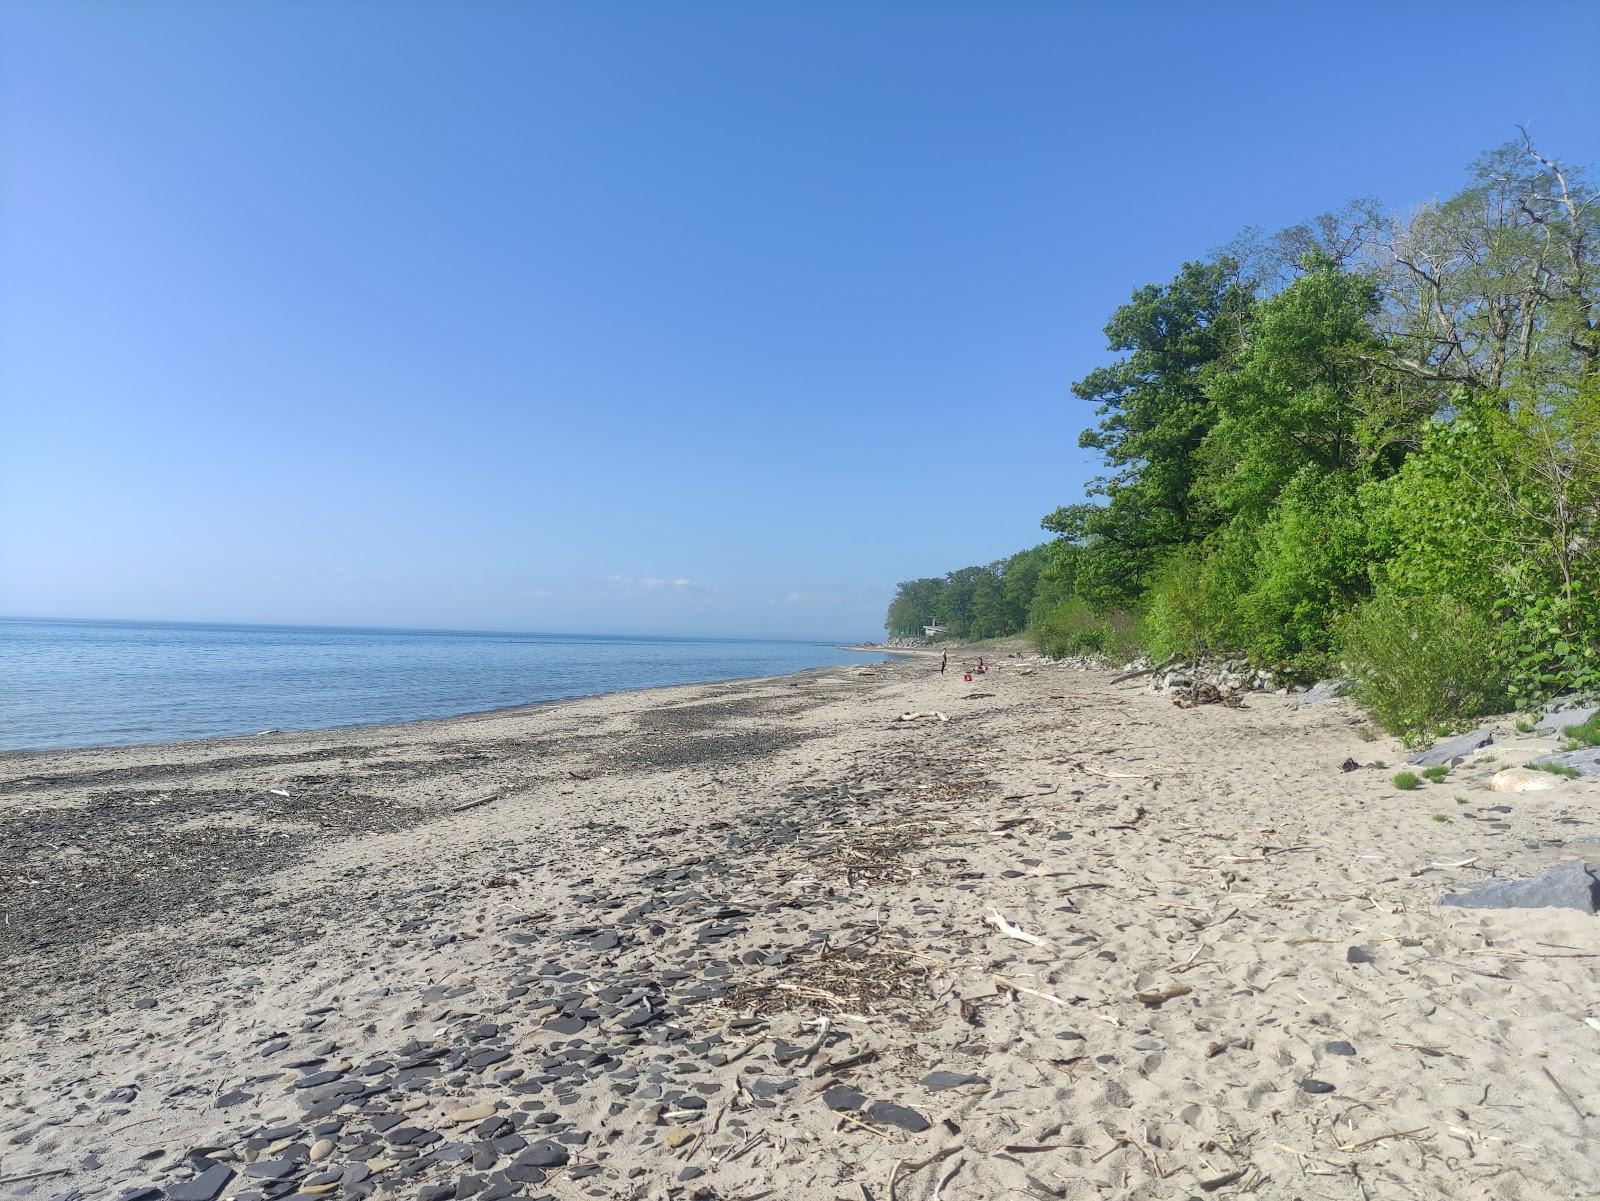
point(653, 583)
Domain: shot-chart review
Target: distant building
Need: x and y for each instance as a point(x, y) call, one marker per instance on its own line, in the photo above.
point(934, 630)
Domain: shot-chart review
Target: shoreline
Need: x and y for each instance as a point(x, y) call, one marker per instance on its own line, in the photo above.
point(8, 754)
point(585, 949)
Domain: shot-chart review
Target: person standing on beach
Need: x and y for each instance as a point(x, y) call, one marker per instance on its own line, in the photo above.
point(943, 660)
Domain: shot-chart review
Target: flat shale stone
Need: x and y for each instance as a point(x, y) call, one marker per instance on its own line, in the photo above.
point(842, 1098)
point(204, 1187)
point(1453, 750)
point(1568, 885)
point(887, 1113)
point(943, 1079)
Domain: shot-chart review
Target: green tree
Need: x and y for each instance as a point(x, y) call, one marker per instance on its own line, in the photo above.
point(915, 604)
point(1296, 397)
point(1155, 411)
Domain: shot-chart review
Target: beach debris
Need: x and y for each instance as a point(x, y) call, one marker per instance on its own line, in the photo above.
point(1146, 671)
point(1161, 996)
point(996, 919)
point(1203, 692)
point(1021, 796)
point(1453, 750)
point(1011, 985)
point(473, 804)
point(931, 715)
point(1227, 1178)
point(1312, 1085)
point(1571, 884)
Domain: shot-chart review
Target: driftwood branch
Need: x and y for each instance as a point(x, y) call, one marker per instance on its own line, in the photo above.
point(1147, 671)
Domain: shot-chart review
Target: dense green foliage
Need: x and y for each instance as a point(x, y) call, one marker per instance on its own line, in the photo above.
point(975, 602)
point(1366, 445)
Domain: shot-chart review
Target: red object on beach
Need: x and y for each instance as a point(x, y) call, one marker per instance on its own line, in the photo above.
point(967, 677)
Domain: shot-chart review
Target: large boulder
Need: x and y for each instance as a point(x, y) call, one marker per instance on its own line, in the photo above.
point(1453, 750)
point(1585, 762)
point(1322, 690)
point(1523, 779)
point(1568, 885)
point(1555, 723)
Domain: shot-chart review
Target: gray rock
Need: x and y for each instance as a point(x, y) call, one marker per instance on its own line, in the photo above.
point(270, 1169)
point(1586, 761)
point(1322, 690)
point(1453, 750)
point(887, 1113)
point(945, 1079)
point(1338, 1047)
point(543, 1154)
point(1557, 722)
point(841, 1098)
point(203, 1187)
point(1311, 1085)
point(766, 1086)
point(1568, 885)
point(1359, 955)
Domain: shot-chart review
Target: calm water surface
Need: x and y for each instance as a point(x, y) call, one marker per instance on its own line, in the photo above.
point(81, 683)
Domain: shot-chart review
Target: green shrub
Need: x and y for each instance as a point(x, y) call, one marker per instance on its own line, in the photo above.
point(1310, 568)
point(1421, 665)
point(1071, 627)
point(1436, 773)
point(1405, 781)
point(1190, 607)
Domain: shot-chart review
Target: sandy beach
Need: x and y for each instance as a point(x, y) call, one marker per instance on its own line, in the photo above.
point(1051, 937)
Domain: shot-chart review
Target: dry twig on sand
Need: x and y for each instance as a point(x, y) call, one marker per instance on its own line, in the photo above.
point(998, 921)
point(1163, 995)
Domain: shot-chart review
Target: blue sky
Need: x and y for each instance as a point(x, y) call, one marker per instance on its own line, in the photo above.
point(655, 318)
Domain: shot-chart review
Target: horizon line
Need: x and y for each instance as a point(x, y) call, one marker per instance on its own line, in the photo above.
point(379, 629)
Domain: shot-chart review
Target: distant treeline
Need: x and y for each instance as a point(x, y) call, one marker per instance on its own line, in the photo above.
point(1366, 444)
point(976, 602)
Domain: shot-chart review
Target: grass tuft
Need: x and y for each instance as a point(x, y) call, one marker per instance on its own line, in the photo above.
point(1436, 773)
point(1586, 734)
point(1405, 781)
point(1565, 770)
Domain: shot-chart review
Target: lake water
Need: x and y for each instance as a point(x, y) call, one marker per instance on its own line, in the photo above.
point(83, 683)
